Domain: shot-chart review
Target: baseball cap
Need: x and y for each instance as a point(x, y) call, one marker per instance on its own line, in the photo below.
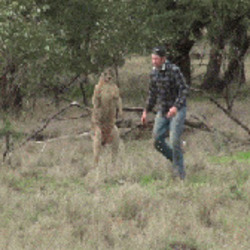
point(159, 51)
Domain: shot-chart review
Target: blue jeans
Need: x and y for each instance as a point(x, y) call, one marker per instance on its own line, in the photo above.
point(170, 149)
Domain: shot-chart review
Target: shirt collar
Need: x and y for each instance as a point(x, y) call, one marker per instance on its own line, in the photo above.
point(163, 66)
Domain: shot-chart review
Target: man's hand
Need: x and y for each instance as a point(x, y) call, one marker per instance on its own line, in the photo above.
point(172, 112)
point(144, 117)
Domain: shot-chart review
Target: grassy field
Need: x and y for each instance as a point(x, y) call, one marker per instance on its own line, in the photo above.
point(50, 197)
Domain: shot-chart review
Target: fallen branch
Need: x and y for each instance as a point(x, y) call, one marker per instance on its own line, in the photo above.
point(84, 134)
point(198, 125)
point(73, 117)
point(133, 109)
point(201, 125)
point(73, 104)
point(46, 123)
point(237, 121)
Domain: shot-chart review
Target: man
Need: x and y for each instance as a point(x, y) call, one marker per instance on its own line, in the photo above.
point(167, 92)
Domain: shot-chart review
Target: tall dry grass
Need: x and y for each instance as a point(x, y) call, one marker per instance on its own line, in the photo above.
point(51, 197)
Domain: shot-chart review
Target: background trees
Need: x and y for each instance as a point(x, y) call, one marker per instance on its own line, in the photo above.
point(24, 46)
point(45, 46)
point(229, 21)
point(178, 25)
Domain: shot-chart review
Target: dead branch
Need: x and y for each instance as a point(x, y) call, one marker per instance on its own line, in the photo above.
point(48, 120)
point(198, 125)
point(237, 121)
point(133, 109)
point(65, 86)
point(73, 104)
point(46, 123)
point(8, 147)
point(84, 134)
point(73, 117)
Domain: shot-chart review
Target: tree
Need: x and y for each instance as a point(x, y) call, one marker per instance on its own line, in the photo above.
point(25, 45)
point(228, 19)
point(178, 25)
point(117, 40)
point(95, 34)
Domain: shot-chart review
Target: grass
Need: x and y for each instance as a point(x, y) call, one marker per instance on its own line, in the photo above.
point(51, 197)
point(238, 157)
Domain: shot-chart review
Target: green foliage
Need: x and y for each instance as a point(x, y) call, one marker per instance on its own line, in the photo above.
point(45, 42)
point(151, 178)
point(94, 32)
point(73, 24)
point(23, 34)
point(8, 129)
point(170, 22)
point(225, 16)
point(26, 46)
point(75, 92)
point(146, 180)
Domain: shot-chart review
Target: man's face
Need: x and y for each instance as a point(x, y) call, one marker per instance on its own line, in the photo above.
point(157, 61)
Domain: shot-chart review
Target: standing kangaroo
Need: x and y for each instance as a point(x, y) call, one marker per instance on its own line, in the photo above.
point(106, 100)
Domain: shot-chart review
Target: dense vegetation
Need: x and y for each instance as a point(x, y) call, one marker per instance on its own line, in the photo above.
point(47, 45)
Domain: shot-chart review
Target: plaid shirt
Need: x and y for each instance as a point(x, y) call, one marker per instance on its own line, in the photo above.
point(167, 88)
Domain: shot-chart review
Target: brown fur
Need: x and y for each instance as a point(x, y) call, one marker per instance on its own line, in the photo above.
point(106, 100)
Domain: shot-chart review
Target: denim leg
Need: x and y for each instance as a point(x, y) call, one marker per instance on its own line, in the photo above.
point(176, 129)
point(161, 127)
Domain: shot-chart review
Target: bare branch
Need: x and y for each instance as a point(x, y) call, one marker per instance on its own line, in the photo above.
point(73, 104)
point(46, 123)
point(237, 121)
point(133, 109)
point(199, 125)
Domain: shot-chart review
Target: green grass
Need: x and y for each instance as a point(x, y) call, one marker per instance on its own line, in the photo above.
point(31, 183)
point(241, 157)
point(146, 180)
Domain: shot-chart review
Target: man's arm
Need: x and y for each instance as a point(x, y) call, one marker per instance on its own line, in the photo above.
point(182, 88)
point(182, 92)
point(152, 94)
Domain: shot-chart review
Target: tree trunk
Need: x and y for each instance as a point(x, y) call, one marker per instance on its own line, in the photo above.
point(213, 69)
point(17, 98)
point(212, 80)
point(184, 63)
point(116, 75)
point(182, 59)
point(3, 85)
point(83, 83)
point(56, 92)
point(236, 71)
point(11, 96)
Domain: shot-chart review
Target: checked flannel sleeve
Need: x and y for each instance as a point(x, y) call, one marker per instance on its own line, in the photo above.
point(182, 88)
point(152, 95)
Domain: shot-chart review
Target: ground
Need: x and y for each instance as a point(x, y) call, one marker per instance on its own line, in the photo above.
point(50, 198)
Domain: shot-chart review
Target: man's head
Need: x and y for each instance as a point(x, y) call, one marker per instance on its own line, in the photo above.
point(158, 56)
